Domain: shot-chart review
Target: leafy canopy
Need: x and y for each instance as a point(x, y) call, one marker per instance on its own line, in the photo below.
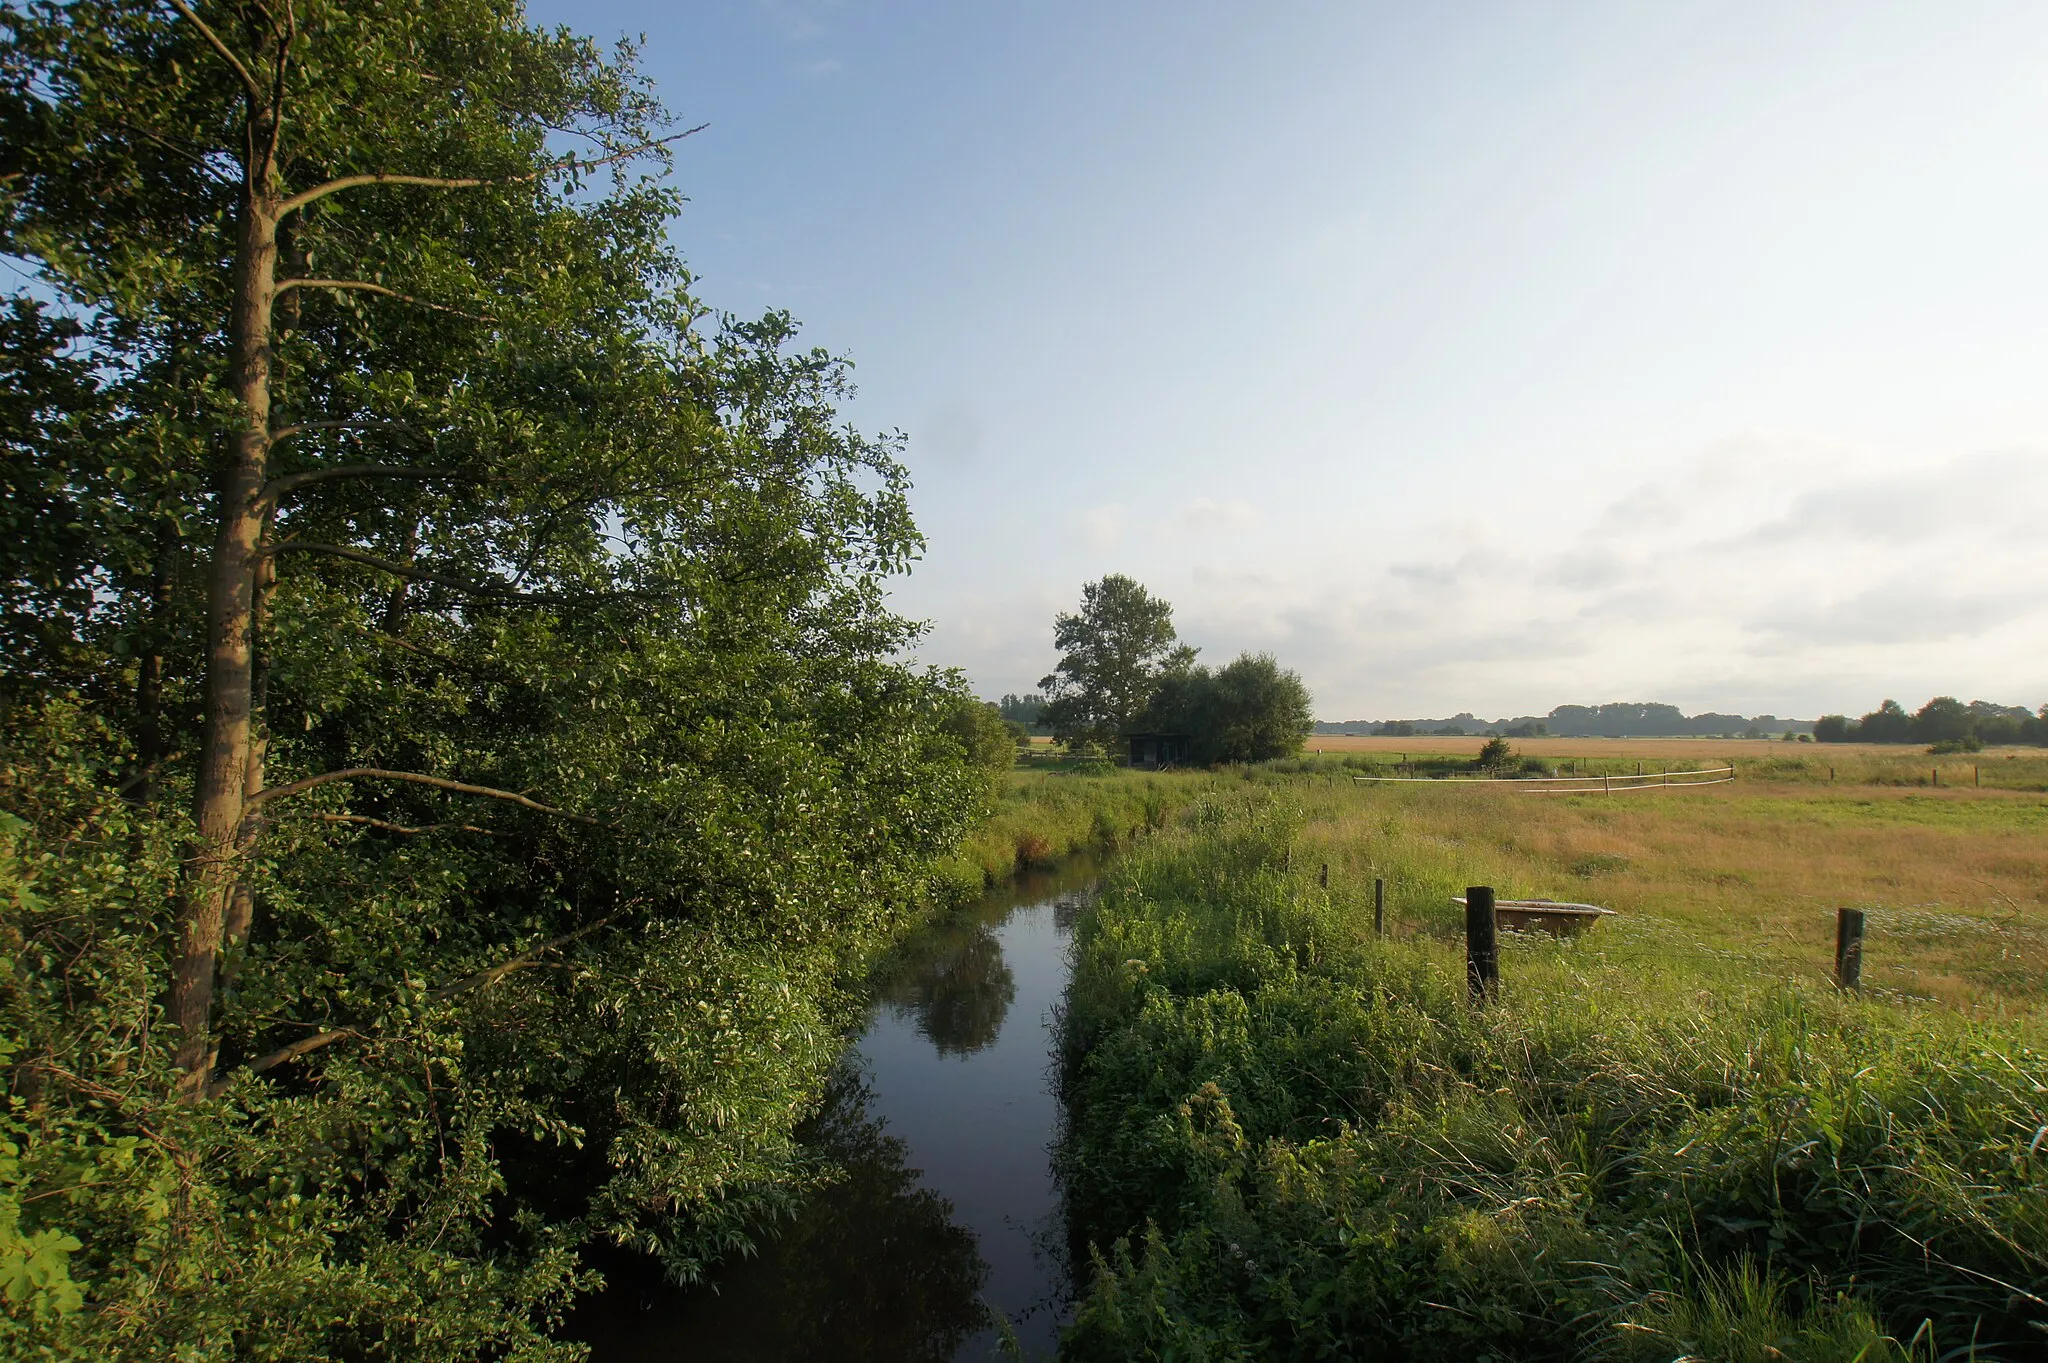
point(1112, 654)
point(579, 765)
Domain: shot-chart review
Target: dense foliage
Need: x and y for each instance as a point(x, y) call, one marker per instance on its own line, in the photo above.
point(1289, 1139)
point(454, 757)
point(1113, 652)
point(1943, 721)
point(1123, 670)
point(1250, 710)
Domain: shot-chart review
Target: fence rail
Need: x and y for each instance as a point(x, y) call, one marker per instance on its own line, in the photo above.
point(1571, 785)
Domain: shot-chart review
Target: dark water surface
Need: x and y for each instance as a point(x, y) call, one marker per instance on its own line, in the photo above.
point(943, 1119)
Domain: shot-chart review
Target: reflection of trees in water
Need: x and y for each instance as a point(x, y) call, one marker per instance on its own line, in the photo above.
point(953, 981)
point(872, 1268)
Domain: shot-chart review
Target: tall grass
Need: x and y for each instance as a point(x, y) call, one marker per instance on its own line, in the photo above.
point(1288, 1139)
point(1047, 813)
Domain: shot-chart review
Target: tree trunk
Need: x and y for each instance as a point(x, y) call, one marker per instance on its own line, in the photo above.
point(220, 798)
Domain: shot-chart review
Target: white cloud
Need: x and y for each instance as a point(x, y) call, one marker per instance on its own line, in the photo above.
point(1794, 578)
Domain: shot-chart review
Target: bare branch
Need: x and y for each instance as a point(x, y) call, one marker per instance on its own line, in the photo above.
point(280, 488)
point(321, 191)
point(416, 778)
point(390, 827)
point(482, 979)
point(285, 286)
point(248, 81)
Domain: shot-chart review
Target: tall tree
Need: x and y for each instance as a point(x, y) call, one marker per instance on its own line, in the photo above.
point(1112, 655)
point(514, 645)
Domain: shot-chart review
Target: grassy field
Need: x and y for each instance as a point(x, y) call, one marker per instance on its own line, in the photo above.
point(1956, 879)
point(1670, 1138)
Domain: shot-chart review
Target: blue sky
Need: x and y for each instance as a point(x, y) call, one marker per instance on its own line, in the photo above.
point(1488, 356)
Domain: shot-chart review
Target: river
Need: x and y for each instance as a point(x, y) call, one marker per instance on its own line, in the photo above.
point(942, 1118)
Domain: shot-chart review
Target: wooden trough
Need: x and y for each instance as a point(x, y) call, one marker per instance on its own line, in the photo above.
point(1543, 915)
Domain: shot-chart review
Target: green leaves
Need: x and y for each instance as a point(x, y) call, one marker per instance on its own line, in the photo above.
point(1111, 658)
point(549, 535)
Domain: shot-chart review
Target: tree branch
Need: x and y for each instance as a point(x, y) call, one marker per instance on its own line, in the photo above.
point(285, 286)
point(279, 488)
point(389, 827)
point(348, 424)
point(480, 980)
point(248, 81)
point(306, 783)
point(321, 191)
point(480, 590)
point(385, 565)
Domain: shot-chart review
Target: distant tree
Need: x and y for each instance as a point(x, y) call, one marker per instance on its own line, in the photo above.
point(1831, 729)
point(1995, 730)
point(1494, 753)
point(1888, 723)
point(1942, 720)
point(980, 730)
point(1452, 731)
point(1027, 709)
point(1528, 728)
point(1396, 728)
point(1112, 655)
point(1252, 710)
point(2035, 729)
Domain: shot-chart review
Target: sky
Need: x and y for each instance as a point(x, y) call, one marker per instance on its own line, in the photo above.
point(1488, 356)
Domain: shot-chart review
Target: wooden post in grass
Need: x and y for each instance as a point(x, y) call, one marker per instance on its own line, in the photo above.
point(1379, 907)
point(1848, 948)
point(1482, 943)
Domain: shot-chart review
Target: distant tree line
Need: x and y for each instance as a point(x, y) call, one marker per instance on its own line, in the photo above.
point(1027, 710)
point(1616, 719)
point(1943, 722)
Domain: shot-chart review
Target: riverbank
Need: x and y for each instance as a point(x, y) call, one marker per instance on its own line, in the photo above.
point(1290, 1138)
point(1049, 813)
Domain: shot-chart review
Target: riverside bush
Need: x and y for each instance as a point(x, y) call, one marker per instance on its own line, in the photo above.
point(1290, 1140)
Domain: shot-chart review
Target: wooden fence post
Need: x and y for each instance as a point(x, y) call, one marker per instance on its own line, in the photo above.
point(1848, 948)
point(1379, 907)
point(1482, 943)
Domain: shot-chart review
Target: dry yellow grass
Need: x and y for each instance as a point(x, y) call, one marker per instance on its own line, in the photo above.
point(1956, 879)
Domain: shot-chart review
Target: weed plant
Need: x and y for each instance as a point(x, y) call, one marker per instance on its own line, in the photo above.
point(1290, 1139)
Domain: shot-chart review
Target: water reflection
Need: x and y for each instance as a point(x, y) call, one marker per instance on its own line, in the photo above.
point(872, 1268)
point(954, 987)
point(942, 1119)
